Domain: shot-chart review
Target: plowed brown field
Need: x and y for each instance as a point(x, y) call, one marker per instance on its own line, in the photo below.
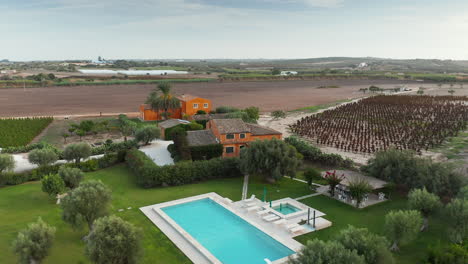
point(269, 96)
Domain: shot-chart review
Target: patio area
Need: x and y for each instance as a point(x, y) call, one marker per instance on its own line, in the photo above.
point(342, 192)
point(286, 216)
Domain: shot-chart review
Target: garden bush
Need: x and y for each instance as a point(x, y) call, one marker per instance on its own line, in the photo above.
point(412, 172)
point(314, 154)
point(149, 175)
point(206, 152)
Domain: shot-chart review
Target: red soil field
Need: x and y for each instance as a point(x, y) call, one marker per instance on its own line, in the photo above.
point(268, 96)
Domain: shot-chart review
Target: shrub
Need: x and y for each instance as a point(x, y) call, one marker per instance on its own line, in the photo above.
point(77, 152)
point(278, 114)
point(70, 176)
point(226, 109)
point(52, 184)
point(147, 134)
point(42, 157)
point(314, 154)
point(115, 147)
point(253, 112)
point(201, 112)
point(206, 152)
point(149, 175)
point(452, 254)
point(272, 159)
point(7, 163)
point(405, 168)
point(33, 244)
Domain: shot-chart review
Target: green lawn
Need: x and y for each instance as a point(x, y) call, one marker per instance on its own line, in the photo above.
point(22, 204)
point(372, 218)
point(453, 147)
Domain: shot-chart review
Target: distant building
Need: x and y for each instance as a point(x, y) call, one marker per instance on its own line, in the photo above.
point(7, 71)
point(286, 73)
point(190, 105)
point(363, 65)
point(233, 134)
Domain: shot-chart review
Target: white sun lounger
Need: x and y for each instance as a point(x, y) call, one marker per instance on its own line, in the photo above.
point(251, 204)
point(246, 202)
point(296, 229)
point(270, 218)
point(253, 208)
point(279, 222)
point(263, 212)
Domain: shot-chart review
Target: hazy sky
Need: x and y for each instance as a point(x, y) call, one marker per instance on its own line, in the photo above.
point(85, 29)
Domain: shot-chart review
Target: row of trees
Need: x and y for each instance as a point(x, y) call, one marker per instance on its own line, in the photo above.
point(110, 239)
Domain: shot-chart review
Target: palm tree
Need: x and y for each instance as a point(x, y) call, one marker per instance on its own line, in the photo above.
point(358, 189)
point(161, 99)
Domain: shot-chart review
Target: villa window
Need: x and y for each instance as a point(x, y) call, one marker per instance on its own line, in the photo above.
point(205, 105)
point(242, 135)
point(229, 149)
point(241, 147)
point(230, 136)
point(195, 105)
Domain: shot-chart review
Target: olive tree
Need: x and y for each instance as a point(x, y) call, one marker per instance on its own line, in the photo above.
point(113, 240)
point(7, 163)
point(457, 219)
point(126, 127)
point(326, 252)
point(270, 158)
point(76, 152)
point(86, 203)
point(147, 134)
point(425, 202)
point(372, 247)
point(402, 226)
point(33, 244)
point(70, 176)
point(52, 184)
point(42, 157)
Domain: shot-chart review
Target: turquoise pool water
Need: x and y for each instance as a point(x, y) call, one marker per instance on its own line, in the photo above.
point(286, 209)
point(227, 236)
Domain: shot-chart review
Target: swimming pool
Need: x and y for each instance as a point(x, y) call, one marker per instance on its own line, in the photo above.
point(227, 236)
point(286, 209)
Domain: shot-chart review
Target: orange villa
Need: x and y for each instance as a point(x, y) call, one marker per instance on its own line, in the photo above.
point(189, 106)
point(233, 134)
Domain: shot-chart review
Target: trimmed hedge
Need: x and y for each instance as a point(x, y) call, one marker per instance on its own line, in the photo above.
point(168, 132)
point(314, 154)
point(149, 175)
point(206, 152)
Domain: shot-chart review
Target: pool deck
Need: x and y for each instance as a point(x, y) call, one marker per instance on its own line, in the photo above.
point(192, 248)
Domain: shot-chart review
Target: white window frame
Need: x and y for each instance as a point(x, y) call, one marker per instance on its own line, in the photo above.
point(195, 106)
point(242, 134)
point(233, 136)
point(205, 105)
point(233, 150)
